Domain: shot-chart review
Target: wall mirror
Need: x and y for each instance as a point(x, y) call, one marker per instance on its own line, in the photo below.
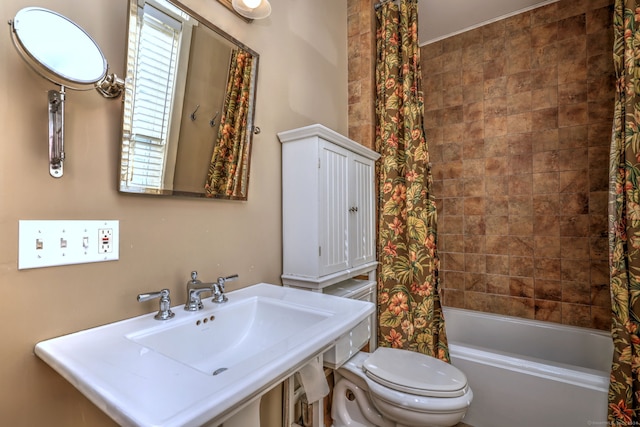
point(189, 99)
point(62, 52)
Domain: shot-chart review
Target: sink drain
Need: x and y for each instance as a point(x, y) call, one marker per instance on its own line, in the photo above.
point(219, 371)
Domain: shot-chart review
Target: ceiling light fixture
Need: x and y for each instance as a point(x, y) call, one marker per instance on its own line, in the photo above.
point(252, 9)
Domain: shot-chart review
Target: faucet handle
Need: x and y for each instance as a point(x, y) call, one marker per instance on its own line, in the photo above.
point(218, 288)
point(223, 280)
point(164, 312)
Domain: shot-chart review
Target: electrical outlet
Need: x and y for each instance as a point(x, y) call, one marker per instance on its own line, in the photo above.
point(105, 237)
point(50, 243)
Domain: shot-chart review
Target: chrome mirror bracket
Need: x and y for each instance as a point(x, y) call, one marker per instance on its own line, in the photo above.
point(111, 86)
point(56, 132)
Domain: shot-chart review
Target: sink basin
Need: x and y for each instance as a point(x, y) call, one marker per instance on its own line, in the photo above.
point(201, 368)
point(236, 333)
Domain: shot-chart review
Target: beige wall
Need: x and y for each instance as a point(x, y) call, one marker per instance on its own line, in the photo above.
point(303, 80)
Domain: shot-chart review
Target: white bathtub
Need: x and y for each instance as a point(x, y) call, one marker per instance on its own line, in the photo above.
point(528, 373)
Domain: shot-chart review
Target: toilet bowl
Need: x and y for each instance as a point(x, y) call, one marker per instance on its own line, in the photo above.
point(399, 388)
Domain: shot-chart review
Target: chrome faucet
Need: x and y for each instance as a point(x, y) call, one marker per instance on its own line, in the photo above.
point(164, 313)
point(195, 288)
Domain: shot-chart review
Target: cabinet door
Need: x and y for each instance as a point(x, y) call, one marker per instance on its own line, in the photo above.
point(334, 208)
point(361, 211)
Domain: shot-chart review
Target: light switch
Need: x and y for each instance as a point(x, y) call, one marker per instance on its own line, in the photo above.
point(49, 243)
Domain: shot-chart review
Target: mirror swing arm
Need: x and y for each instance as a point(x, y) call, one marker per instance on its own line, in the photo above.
point(109, 89)
point(53, 60)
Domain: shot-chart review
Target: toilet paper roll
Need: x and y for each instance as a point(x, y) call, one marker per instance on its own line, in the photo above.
point(313, 380)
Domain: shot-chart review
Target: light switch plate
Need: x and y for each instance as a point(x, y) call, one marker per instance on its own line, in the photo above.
point(47, 243)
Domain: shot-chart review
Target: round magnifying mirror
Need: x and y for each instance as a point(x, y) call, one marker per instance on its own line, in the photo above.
point(58, 49)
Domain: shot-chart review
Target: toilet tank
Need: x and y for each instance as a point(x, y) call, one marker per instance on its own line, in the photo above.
point(351, 343)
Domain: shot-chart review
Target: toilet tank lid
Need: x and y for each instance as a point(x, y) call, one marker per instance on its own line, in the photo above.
point(414, 373)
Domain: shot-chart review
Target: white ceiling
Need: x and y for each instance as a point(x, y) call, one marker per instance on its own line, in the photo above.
point(438, 19)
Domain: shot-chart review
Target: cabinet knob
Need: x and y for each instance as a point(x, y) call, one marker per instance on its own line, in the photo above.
point(353, 209)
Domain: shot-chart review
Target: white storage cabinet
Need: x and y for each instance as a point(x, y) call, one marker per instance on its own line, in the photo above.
point(328, 208)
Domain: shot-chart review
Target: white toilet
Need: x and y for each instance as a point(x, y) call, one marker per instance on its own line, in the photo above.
point(399, 388)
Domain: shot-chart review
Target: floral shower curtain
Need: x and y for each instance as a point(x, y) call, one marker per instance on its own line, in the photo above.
point(231, 149)
point(624, 218)
point(409, 309)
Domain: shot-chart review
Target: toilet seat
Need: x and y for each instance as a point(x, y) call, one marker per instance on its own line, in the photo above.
point(414, 373)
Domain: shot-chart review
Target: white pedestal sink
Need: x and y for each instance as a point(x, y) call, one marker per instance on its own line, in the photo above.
point(202, 368)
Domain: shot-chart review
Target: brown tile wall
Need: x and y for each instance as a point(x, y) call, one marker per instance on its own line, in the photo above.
point(518, 116)
point(361, 51)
